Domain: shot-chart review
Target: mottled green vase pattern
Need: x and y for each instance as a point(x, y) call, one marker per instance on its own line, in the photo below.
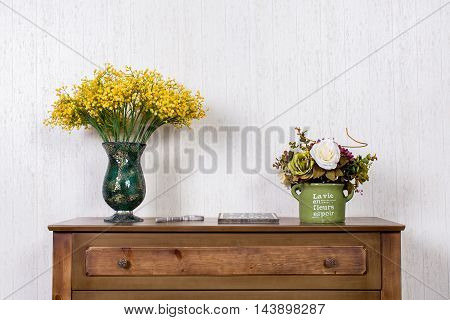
point(321, 202)
point(124, 183)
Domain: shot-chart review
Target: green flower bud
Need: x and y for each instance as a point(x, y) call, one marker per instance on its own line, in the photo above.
point(301, 165)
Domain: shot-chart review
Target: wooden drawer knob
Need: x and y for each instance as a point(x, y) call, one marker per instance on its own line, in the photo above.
point(330, 262)
point(123, 263)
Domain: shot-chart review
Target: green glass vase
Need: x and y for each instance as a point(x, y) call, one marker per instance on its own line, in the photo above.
point(124, 183)
point(321, 202)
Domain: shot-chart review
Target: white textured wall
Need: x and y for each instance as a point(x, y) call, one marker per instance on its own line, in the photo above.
point(252, 60)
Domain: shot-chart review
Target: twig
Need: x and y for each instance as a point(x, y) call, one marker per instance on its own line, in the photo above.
point(362, 144)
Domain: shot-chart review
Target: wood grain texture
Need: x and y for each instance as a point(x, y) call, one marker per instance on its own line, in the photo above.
point(383, 112)
point(190, 74)
point(225, 261)
point(310, 63)
point(445, 25)
point(48, 193)
point(144, 21)
point(285, 90)
point(433, 185)
point(119, 32)
point(62, 266)
point(356, 224)
point(7, 173)
point(333, 62)
point(71, 147)
point(167, 35)
point(293, 48)
point(237, 70)
point(357, 88)
point(227, 295)
point(391, 266)
point(408, 195)
point(95, 47)
point(83, 241)
point(23, 118)
point(214, 85)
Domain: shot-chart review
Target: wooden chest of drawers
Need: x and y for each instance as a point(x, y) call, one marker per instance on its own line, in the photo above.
point(356, 260)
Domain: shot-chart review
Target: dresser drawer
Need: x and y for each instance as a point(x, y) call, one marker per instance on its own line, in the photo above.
point(202, 261)
point(227, 295)
point(220, 261)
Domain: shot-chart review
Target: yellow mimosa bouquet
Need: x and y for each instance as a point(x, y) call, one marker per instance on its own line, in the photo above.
point(125, 105)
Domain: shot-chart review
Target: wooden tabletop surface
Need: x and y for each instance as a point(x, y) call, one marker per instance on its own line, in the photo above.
point(352, 224)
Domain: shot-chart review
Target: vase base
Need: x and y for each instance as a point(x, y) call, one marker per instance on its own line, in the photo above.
point(123, 217)
point(323, 222)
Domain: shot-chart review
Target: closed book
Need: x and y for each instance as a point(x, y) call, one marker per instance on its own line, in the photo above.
point(248, 218)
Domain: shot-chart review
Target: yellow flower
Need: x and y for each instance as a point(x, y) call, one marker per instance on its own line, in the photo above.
point(125, 105)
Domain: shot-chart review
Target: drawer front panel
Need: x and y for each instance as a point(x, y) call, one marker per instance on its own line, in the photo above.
point(225, 295)
point(216, 261)
point(226, 261)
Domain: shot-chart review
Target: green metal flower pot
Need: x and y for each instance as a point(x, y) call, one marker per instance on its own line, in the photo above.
point(321, 202)
point(124, 183)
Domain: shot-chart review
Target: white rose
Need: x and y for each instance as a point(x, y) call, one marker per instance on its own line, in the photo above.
point(326, 153)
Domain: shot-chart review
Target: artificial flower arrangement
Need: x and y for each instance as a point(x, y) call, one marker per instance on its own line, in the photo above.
point(318, 166)
point(125, 107)
point(322, 161)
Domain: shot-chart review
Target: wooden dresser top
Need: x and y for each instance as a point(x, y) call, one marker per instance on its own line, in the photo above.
point(352, 224)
